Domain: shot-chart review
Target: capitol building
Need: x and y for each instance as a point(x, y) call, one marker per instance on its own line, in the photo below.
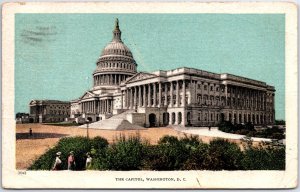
point(122, 96)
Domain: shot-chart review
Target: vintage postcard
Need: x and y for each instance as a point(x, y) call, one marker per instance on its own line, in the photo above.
point(149, 95)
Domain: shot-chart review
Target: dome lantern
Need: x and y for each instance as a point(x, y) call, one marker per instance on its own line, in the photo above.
point(117, 32)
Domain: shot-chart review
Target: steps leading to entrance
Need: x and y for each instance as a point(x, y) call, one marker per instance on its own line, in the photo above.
point(116, 122)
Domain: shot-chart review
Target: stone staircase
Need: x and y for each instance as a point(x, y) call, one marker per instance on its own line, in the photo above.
point(116, 122)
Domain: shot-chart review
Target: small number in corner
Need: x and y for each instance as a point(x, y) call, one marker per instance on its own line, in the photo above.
point(21, 172)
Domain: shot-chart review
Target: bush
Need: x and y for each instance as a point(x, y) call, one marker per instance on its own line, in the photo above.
point(98, 144)
point(223, 154)
point(198, 158)
point(79, 145)
point(264, 158)
point(171, 153)
point(124, 154)
point(249, 126)
point(226, 126)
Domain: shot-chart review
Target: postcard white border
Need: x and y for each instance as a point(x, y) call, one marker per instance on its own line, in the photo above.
point(12, 178)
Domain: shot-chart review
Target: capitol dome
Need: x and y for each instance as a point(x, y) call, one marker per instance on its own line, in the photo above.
point(116, 62)
point(116, 48)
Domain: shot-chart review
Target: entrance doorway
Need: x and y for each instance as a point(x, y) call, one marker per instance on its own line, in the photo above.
point(173, 118)
point(189, 118)
point(179, 118)
point(166, 119)
point(152, 120)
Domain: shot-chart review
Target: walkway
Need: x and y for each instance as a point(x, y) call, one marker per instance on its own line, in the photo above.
point(214, 132)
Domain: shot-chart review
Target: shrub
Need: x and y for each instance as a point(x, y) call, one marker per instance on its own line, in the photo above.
point(249, 126)
point(198, 158)
point(223, 154)
point(264, 158)
point(98, 146)
point(170, 153)
point(226, 126)
point(124, 154)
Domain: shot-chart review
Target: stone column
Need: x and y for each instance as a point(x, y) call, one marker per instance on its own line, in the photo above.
point(140, 95)
point(149, 95)
point(106, 101)
point(170, 118)
point(121, 99)
point(135, 97)
point(104, 107)
point(166, 94)
point(159, 94)
point(171, 94)
point(131, 98)
point(154, 95)
point(183, 93)
point(93, 106)
point(177, 94)
point(144, 96)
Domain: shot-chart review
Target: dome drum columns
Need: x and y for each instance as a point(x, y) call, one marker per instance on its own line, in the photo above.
point(110, 79)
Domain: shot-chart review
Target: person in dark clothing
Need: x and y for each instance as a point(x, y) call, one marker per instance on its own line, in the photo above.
point(30, 132)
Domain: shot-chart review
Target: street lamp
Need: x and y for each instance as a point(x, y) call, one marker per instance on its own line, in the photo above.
point(87, 128)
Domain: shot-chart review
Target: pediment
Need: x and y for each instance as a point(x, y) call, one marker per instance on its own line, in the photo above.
point(140, 76)
point(87, 95)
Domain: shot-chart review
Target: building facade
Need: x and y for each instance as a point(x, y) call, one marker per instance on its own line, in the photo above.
point(183, 96)
point(48, 111)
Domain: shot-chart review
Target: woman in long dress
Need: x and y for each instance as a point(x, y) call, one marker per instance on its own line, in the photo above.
point(88, 163)
point(57, 164)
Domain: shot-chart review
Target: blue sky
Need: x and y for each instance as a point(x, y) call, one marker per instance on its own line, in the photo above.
point(55, 54)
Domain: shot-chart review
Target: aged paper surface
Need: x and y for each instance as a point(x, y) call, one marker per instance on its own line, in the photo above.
point(13, 178)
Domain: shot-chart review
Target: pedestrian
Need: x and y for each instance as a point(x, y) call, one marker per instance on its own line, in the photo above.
point(88, 163)
point(209, 128)
point(30, 132)
point(57, 164)
point(71, 161)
